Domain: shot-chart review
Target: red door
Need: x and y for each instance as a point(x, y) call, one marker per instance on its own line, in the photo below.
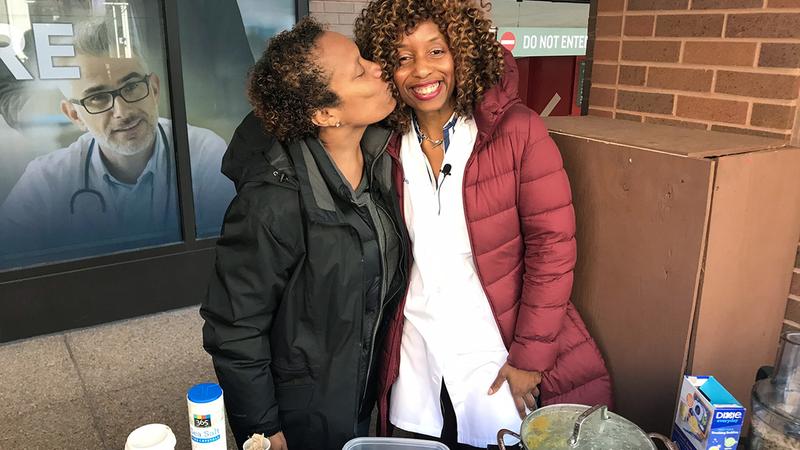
point(550, 83)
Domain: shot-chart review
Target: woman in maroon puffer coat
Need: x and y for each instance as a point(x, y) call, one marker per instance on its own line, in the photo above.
point(487, 325)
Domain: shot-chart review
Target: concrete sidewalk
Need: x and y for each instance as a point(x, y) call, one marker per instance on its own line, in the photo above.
point(87, 389)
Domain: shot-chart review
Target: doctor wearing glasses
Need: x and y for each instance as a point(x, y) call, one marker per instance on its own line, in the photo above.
point(117, 182)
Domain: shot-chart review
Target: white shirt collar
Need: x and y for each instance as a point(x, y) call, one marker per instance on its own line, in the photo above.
point(448, 129)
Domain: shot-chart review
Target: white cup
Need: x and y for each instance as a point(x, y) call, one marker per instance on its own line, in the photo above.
point(155, 436)
point(253, 444)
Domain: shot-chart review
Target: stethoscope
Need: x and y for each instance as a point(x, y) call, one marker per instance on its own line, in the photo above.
point(97, 194)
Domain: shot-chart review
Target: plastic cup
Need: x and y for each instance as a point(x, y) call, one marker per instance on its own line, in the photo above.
point(257, 444)
point(155, 436)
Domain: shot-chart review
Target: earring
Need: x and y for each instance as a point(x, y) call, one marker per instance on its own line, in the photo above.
point(338, 123)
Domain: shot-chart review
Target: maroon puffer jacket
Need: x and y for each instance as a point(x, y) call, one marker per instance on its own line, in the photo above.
point(521, 223)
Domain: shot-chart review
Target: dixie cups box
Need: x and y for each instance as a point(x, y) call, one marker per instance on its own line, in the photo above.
point(708, 417)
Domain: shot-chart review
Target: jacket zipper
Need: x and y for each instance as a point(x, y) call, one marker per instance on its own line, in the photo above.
point(406, 267)
point(382, 306)
point(360, 336)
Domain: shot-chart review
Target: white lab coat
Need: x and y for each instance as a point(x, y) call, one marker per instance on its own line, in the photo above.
point(38, 225)
point(450, 333)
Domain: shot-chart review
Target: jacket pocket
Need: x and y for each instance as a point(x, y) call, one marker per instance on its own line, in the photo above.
point(294, 397)
point(302, 426)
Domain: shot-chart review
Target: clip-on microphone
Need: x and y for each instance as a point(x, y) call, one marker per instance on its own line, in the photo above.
point(445, 171)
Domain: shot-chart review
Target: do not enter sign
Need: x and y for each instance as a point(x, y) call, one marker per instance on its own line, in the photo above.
point(543, 41)
point(508, 40)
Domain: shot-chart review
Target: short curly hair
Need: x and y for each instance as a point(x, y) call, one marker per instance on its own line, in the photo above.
point(477, 55)
point(286, 86)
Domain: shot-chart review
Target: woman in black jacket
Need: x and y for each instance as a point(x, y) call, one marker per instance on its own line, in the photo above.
point(312, 255)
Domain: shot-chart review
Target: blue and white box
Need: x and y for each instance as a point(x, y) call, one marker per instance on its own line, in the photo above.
point(708, 416)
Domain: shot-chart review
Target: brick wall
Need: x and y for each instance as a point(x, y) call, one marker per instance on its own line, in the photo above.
point(338, 15)
point(727, 65)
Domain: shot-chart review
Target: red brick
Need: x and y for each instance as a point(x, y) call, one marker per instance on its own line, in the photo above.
point(656, 51)
point(610, 5)
point(783, 3)
point(726, 4)
point(772, 116)
point(718, 110)
point(604, 73)
point(645, 102)
point(759, 85)
point(630, 117)
point(632, 75)
point(676, 123)
point(719, 53)
point(767, 25)
point(603, 97)
point(600, 113)
point(779, 55)
point(639, 25)
point(750, 132)
point(606, 50)
point(657, 5)
point(793, 310)
point(608, 26)
point(694, 25)
point(795, 288)
point(696, 80)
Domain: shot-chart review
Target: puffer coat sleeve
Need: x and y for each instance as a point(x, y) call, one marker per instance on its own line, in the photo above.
point(547, 220)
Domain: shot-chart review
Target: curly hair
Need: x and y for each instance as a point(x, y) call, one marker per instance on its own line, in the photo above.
point(286, 86)
point(477, 55)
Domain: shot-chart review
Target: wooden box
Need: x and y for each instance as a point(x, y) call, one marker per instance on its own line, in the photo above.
point(686, 244)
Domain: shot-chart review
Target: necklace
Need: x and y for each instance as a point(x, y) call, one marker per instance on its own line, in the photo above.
point(434, 142)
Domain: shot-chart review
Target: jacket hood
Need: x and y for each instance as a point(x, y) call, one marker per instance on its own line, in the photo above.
point(374, 139)
point(499, 98)
point(252, 152)
point(254, 155)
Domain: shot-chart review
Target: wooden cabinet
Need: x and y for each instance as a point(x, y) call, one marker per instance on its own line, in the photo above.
point(686, 244)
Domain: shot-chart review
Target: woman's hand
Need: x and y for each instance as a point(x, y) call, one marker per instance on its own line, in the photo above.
point(278, 442)
point(523, 384)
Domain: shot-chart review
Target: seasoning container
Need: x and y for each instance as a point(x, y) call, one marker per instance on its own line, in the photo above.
point(206, 417)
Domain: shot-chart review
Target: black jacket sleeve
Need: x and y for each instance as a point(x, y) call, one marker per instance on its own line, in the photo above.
point(252, 269)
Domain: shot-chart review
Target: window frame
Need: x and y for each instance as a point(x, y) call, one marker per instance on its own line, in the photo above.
point(71, 294)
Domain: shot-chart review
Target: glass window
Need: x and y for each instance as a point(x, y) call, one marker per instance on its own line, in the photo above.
point(220, 40)
point(87, 164)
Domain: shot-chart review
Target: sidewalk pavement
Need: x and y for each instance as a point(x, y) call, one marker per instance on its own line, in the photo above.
point(87, 389)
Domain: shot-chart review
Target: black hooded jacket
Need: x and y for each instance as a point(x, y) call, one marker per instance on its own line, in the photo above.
point(293, 318)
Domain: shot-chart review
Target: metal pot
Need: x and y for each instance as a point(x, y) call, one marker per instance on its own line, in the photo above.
point(580, 427)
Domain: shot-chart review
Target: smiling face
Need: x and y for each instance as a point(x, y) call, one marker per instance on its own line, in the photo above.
point(425, 76)
point(364, 97)
point(126, 129)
